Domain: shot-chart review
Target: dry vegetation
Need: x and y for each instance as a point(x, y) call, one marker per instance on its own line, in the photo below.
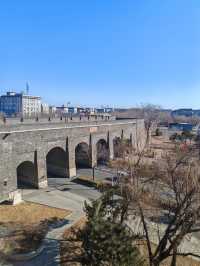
point(181, 261)
point(25, 226)
point(161, 142)
point(29, 213)
point(70, 249)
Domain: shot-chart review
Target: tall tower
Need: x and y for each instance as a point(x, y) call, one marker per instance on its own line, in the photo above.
point(27, 88)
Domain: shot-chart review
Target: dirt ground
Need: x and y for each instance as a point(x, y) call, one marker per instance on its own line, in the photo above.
point(23, 227)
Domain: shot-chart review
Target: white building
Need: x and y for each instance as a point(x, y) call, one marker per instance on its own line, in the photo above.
point(61, 110)
point(52, 110)
point(44, 108)
point(31, 105)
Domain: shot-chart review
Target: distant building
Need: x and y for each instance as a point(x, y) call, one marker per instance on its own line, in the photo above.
point(44, 108)
point(80, 110)
point(180, 126)
point(52, 110)
point(183, 112)
point(188, 112)
point(11, 104)
point(31, 105)
point(72, 110)
point(100, 110)
point(120, 110)
point(196, 112)
point(89, 110)
point(109, 110)
point(14, 104)
point(104, 110)
point(62, 109)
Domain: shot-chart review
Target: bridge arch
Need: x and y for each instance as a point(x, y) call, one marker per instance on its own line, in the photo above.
point(83, 155)
point(26, 175)
point(103, 152)
point(57, 162)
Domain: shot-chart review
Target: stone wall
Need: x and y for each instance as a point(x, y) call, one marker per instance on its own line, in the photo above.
point(26, 143)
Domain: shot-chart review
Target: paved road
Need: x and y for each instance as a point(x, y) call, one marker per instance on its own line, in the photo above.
point(100, 173)
point(90, 193)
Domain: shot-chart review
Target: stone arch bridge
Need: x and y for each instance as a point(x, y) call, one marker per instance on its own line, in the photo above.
point(31, 153)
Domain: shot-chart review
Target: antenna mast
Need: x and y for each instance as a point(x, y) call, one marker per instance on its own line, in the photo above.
point(27, 88)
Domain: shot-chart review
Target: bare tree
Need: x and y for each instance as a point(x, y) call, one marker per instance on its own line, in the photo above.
point(194, 120)
point(151, 114)
point(167, 189)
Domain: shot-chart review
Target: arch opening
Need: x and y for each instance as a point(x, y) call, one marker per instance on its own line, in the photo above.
point(57, 163)
point(82, 155)
point(26, 175)
point(102, 152)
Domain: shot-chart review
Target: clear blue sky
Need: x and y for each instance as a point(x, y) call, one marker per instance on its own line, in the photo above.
point(93, 52)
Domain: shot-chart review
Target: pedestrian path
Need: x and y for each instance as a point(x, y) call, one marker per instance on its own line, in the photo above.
point(50, 256)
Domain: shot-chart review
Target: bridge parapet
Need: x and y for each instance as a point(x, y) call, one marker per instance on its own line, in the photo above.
point(64, 118)
point(57, 125)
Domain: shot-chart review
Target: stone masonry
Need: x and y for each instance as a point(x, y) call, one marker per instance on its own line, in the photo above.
point(28, 150)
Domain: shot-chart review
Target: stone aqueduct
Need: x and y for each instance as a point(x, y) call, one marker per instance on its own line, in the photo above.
point(31, 153)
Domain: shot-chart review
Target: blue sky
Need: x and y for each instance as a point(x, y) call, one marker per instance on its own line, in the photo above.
point(94, 52)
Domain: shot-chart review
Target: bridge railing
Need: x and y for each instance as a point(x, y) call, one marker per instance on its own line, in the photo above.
point(56, 119)
point(60, 124)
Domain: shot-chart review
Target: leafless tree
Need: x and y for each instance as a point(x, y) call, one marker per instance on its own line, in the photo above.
point(151, 115)
point(170, 189)
point(194, 120)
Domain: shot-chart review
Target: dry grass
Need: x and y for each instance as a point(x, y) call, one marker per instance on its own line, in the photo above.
point(29, 213)
point(181, 261)
point(160, 143)
point(26, 226)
